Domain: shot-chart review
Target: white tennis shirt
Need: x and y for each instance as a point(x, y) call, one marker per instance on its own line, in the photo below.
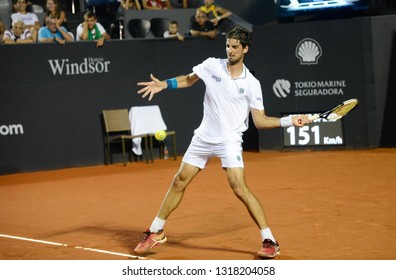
point(227, 101)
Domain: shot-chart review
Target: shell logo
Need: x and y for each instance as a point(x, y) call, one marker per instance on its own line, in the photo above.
point(308, 51)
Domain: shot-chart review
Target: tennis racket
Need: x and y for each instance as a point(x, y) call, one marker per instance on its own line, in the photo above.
point(337, 112)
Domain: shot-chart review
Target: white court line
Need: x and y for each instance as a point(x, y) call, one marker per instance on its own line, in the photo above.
point(71, 246)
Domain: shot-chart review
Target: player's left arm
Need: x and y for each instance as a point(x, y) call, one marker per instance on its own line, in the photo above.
point(262, 121)
point(155, 85)
point(186, 80)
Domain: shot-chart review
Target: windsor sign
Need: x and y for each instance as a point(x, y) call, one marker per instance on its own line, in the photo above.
point(89, 65)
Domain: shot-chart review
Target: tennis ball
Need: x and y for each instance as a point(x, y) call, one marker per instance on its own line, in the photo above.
point(160, 135)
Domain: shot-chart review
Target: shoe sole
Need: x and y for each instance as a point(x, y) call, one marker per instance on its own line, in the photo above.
point(277, 253)
point(162, 241)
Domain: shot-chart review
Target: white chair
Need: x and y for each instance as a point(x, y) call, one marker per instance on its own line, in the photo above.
point(148, 120)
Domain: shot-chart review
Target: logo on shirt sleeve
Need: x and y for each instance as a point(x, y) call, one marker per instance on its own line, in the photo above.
point(217, 79)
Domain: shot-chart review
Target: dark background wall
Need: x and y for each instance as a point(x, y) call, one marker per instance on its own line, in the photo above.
point(346, 56)
point(60, 114)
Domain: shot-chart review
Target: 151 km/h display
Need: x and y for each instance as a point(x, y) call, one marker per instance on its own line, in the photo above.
point(319, 133)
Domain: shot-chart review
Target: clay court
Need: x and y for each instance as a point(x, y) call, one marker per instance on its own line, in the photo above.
point(321, 205)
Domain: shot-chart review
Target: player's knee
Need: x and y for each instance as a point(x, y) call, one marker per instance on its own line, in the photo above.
point(179, 183)
point(240, 191)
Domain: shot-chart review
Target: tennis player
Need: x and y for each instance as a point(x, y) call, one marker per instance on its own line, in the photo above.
point(231, 94)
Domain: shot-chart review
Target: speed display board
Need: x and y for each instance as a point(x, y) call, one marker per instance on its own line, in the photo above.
point(319, 133)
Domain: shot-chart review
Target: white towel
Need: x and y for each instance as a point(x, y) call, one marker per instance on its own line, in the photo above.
point(144, 120)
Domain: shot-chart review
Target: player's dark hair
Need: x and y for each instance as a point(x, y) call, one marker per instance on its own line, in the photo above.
point(240, 34)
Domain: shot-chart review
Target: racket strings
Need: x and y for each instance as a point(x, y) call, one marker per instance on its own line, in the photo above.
point(344, 109)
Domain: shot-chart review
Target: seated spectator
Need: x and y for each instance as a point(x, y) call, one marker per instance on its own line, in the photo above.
point(201, 26)
point(91, 30)
point(117, 27)
point(127, 5)
point(30, 20)
point(15, 6)
point(17, 34)
point(173, 31)
point(52, 8)
point(53, 32)
point(217, 15)
point(156, 4)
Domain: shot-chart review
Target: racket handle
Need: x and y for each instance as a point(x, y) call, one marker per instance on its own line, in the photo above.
point(314, 117)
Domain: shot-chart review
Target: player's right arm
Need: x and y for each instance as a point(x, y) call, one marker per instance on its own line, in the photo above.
point(155, 85)
point(262, 121)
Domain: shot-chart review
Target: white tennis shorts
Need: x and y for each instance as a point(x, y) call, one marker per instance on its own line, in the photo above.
point(200, 152)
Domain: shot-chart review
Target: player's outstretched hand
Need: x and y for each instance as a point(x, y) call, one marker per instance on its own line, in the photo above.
point(300, 120)
point(151, 88)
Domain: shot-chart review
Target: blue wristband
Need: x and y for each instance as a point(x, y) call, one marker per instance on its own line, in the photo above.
point(172, 83)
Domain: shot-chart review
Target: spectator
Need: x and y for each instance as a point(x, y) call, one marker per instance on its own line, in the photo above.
point(15, 6)
point(53, 32)
point(10, 6)
point(201, 26)
point(127, 5)
point(219, 16)
point(30, 20)
point(173, 31)
point(91, 30)
point(156, 4)
point(17, 34)
point(52, 8)
point(117, 27)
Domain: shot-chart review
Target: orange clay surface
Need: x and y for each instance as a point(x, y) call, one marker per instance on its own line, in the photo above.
point(320, 205)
